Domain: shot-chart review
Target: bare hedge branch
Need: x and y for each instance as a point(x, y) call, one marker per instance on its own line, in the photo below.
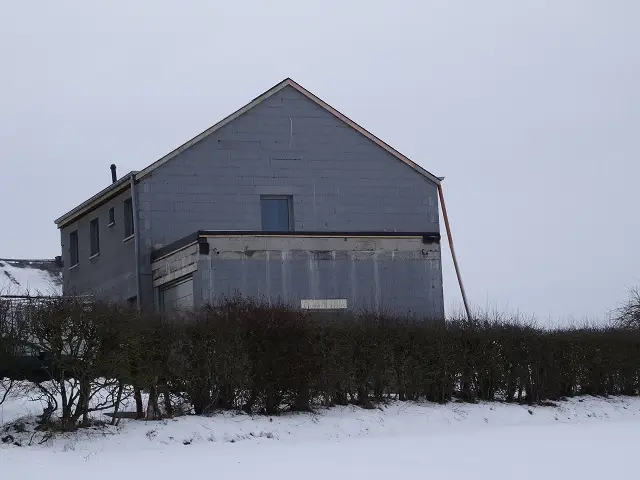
point(247, 355)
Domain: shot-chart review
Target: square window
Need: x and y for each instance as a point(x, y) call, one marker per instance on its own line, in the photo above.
point(73, 248)
point(112, 216)
point(94, 234)
point(277, 213)
point(128, 218)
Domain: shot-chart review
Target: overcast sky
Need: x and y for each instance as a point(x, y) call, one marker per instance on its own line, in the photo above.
point(530, 109)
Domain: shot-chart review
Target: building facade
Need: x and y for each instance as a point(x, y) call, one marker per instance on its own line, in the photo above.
point(294, 201)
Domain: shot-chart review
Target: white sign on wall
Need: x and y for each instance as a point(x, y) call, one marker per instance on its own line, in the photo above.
point(324, 304)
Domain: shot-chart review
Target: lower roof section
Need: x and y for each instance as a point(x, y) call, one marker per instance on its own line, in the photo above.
point(199, 236)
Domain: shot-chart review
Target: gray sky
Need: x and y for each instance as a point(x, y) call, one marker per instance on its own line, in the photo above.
point(530, 109)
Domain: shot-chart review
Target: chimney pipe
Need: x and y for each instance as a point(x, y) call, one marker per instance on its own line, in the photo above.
point(114, 177)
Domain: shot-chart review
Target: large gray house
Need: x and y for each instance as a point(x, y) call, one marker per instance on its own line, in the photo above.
point(286, 199)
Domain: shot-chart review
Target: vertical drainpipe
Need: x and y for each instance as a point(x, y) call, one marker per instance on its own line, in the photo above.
point(136, 236)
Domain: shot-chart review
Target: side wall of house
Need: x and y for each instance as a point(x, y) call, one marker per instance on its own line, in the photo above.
point(111, 274)
point(398, 276)
point(338, 180)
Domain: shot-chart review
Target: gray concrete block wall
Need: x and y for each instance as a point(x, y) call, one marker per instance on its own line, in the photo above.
point(175, 266)
point(288, 145)
point(401, 276)
point(338, 179)
point(112, 273)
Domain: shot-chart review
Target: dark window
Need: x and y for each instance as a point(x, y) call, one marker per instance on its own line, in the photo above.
point(112, 216)
point(94, 234)
point(128, 218)
point(277, 213)
point(73, 248)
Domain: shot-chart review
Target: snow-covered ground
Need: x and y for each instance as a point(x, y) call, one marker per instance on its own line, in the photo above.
point(579, 438)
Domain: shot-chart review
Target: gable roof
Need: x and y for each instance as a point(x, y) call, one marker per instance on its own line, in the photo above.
point(256, 101)
point(107, 192)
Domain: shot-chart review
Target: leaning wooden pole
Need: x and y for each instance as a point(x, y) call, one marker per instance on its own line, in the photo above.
point(453, 252)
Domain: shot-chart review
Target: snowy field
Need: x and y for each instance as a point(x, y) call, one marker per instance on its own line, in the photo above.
point(580, 438)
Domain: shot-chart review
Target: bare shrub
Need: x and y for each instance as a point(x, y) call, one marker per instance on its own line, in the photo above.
point(213, 363)
point(83, 342)
point(628, 315)
point(246, 354)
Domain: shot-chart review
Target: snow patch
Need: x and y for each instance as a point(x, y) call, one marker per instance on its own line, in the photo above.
point(585, 437)
point(395, 419)
point(30, 277)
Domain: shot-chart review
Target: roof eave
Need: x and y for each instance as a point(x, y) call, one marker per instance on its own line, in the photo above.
point(404, 159)
point(99, 197)
point(144, 172)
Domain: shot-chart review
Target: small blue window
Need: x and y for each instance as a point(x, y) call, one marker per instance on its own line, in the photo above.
point(277, 213)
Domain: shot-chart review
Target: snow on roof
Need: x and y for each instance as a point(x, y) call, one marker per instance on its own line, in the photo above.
point(30, 277)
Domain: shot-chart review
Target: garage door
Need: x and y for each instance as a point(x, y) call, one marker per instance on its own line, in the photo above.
point(177, 295)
